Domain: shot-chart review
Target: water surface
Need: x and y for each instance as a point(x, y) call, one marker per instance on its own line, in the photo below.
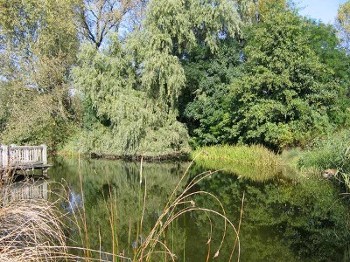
point(280, 221)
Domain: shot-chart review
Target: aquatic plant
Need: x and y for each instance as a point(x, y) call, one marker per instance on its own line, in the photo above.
point(253, 162)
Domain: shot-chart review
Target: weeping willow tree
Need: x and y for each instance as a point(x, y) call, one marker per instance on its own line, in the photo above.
point(171, 30)
point(131, 89)
point(120, 118)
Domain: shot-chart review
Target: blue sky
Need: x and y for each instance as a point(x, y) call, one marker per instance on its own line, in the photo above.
point(324, 10)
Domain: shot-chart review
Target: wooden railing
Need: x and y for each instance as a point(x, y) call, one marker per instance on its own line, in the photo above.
point(17, 156)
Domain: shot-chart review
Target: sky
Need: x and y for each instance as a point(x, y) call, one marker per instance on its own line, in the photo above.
point(324, 10)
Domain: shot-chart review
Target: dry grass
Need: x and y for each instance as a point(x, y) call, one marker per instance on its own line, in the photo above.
point(30, 230)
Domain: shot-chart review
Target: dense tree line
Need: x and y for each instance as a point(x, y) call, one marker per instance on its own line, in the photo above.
point(138, 77)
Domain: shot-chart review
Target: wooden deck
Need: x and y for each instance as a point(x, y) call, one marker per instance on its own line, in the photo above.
point(14, 158)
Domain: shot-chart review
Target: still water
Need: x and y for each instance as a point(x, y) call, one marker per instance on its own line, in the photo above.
point(276, 220)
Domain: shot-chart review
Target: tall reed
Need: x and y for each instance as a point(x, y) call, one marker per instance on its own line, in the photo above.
point(177, 206)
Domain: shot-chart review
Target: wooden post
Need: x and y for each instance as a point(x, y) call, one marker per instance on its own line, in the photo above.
point(44, 154)
point(4, 156)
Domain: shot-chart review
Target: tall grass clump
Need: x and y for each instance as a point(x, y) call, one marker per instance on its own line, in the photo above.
point(332, 152)
point(253, 162)
point(31, 230)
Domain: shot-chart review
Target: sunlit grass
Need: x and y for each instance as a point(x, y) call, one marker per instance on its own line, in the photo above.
point(252, 162)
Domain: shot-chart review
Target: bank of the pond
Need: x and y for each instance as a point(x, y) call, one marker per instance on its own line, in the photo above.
point(161, 157)
point(175, 156)
point(256, 162)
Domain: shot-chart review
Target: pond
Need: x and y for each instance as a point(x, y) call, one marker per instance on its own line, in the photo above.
point(117, 203)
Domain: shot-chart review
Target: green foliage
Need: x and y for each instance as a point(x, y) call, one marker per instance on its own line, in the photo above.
point(282, 83)
point(324, 41)
point(39, 42)
point(253, 162)
point(32, 118)
point(124, 119)
point(133, 90)
point(203, 104)
point(330, 152)
point(285, 95)
point(294, 76)
point(172, 29)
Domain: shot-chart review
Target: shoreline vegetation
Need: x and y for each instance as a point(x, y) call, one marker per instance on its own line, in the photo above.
point(251, 162)
point(256, 162)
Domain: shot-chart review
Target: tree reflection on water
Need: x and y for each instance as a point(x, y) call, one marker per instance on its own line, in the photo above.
point(282, 221)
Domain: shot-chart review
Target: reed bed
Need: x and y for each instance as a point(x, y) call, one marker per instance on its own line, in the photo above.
point(253, 162)
point(31, 230)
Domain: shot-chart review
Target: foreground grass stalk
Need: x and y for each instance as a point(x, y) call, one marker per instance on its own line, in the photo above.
point(173, 210)
point(31, 230)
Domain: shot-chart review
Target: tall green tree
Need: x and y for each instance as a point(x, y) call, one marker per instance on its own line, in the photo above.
point(208, 74)
point(172, 29)
point(286, 94)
